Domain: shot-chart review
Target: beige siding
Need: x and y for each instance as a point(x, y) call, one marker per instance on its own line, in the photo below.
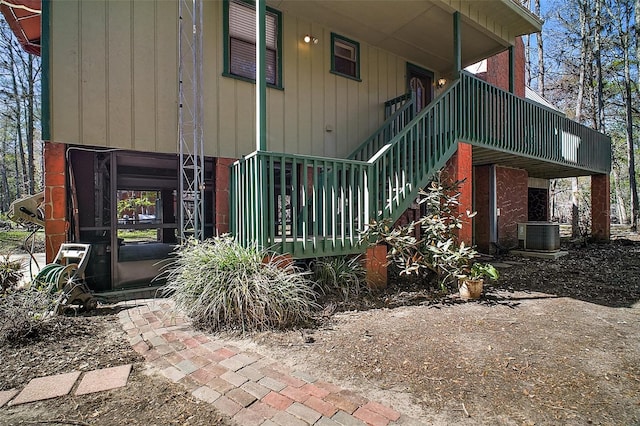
point(113, 73)
point(114, 84)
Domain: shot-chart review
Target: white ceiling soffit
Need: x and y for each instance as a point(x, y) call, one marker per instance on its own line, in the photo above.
point(419, 30)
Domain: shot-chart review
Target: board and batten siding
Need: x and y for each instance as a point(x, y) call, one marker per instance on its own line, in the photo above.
point(113, 83)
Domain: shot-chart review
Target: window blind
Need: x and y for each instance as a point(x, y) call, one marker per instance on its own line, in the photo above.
point(242, 42)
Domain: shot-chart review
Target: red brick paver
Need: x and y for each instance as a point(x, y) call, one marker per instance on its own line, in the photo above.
point(245, 386)
point(5, 396)
point(370, 417)
point(277, 401)
point(104, 379)
point(46, 388)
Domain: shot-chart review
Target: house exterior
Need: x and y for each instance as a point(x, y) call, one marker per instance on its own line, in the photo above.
point(365, 100)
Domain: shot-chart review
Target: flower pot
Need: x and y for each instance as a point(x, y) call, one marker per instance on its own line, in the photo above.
point(471, 289)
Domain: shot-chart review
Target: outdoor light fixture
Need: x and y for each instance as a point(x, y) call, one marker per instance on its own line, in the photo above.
point(442, 82)
point(310, 39)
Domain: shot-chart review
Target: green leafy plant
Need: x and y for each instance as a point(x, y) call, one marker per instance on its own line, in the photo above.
point(482, 270)
point(437, 250)
point(134, 204)
point(342, 275)
point(224, 286)
point(10, 273)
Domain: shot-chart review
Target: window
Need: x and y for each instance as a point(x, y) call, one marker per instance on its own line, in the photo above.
point(345, 57)
point(240, 42)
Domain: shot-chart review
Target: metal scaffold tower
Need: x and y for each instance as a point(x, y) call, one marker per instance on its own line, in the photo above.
point(190, 108)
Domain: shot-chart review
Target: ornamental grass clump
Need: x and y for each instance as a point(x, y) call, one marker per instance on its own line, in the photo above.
point(221, 285)
point(341, 275)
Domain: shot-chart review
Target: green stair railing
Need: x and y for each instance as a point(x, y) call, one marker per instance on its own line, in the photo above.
point(312, 206)
point(399, 112)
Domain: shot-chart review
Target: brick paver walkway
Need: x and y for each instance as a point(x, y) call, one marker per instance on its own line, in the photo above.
point(250, 388)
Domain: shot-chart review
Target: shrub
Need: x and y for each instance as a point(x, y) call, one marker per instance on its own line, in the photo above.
point(25, 313)
point(224, 286)
point(342, 275)
point(437, 250)
point(10, 273)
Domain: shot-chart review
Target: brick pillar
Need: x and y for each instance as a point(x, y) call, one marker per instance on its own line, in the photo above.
point(498, 69)
point(55, 198)
point(458, 168)
point(375, 263)
point(600, 208)
point(222, 186)
point(482, 221)
point(512, 198)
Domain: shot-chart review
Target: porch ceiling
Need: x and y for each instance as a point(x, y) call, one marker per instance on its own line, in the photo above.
point(535, 167)
point(421, 30)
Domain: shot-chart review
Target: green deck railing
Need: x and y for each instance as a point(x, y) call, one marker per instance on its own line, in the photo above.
point(307, 206)
point(499, 120)
point(312, 206)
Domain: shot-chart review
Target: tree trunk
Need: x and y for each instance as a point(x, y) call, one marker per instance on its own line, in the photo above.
point(600, 123)
point(552, 196)
point(30, 123)
point(527, 50)
point(584, 45)
point(5, 195)
point(629, 133)
point(632, 173)
point(620, 203)
point(541, 67)
point(575, 210)
point(18, 117)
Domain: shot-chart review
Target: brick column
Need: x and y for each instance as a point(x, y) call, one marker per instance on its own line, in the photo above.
point(512, 198)
point(55, 198)
point(375, 263)
point(222, 186)
point(600, 208)
point(482, 221)
point(458, 168)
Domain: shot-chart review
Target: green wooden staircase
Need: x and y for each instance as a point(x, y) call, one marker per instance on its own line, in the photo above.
point(312, 206)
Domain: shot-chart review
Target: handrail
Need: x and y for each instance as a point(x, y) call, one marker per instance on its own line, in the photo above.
point(404, 106)
point(313, 206)
point(398, 99)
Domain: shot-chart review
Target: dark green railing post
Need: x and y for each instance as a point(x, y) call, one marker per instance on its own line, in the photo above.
point(261, 80)
point(457, 46)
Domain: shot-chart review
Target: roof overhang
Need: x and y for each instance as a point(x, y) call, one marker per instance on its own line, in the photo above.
point(421, 30)
point(23, 17)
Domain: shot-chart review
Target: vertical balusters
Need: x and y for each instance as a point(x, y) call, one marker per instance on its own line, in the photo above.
point(317, 188)
point(272, 204)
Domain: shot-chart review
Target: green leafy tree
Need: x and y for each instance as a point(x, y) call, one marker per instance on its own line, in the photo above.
point(437, 251)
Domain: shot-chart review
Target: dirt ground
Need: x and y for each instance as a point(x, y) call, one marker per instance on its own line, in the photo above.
point(86, 343)
point(552, 342)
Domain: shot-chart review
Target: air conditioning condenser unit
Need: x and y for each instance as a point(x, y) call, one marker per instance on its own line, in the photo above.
point(539, 236)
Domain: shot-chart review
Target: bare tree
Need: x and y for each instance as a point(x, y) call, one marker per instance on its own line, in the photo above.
point(19, 109)
point(583, 7)
point(541, 67)
point(621, 12)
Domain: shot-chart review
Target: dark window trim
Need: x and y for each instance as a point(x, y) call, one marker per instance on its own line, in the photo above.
point(335, 37)
point(226, 58)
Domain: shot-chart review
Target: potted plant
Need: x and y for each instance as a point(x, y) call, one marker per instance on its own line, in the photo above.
point(471, 284)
